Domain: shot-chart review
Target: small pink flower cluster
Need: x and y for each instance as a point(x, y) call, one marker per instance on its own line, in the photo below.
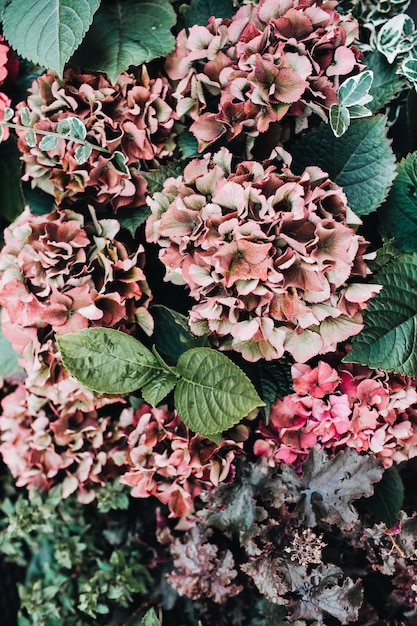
point(9, 67)
point(167, 461)
point(344, 406)
point(265, 253)
point(133, 117)
point(242, 76)
point(60, 273)
point(78, 440)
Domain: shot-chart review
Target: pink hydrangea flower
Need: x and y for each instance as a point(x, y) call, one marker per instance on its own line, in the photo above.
point(269, 256)
point(167, 461)
point(133, 117)
point(346, 405)
point(63, 272)
point(77, 440)
point(266, 65)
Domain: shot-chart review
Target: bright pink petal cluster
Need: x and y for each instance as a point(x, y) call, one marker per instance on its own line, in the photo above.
point(78, 440)
point(9, 67)
point(344, 406)
point(267, 255)
point(63, 272)
point(169, 462)
point(278, 60)
point(132, 117)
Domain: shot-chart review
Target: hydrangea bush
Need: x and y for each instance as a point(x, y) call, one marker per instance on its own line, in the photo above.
point(208, 410)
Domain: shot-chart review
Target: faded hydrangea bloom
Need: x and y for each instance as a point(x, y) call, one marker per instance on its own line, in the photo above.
point(269, 256)
point(169, 462)
point(133, 117)
point(278, 61)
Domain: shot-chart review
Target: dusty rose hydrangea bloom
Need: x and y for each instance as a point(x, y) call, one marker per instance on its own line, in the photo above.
point(133, 117)
point(169, 462)
point(266, 254)
point(348, 405)
point(245, 75)
point(63, 272)
point(78, 440)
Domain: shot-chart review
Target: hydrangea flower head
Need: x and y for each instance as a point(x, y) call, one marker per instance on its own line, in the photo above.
point(345, 405)
point(278, 60)
point(132, 117)
point(269, 256)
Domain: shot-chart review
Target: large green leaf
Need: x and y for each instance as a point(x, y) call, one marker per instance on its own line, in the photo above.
point(387, 499)
point(361, 161)
point(172, 333)
point(213, 393)
point(398, 215)
point(386, 84)
point(108, 361)
point(47, 32)
point(389, 338)
point(127, 32)
point(200, 11)
point(12, 200)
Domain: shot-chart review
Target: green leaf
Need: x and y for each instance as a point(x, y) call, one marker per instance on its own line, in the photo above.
point(213, 393)
point(355, 89)
point(12, 200)
point(156, 178)
point(275, 381)
point(127, 32)
point(398, 215)
point(389, 338)
point(387, 499)
point(172, 332)
point(150, 618)
point(132, 218)
point(48, 142)
point(188, 145)
point(339, 119)
point(386, 84)
point(47, 32)
point(82, 153)
point(361, 161)
point(409, 69)
point(200, 11)
point(39, 201)
point(159, 387)
point(8, 357)
point(107, 360)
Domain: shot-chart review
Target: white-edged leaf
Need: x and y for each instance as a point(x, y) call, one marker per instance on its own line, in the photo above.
point(107, 360)
point(396, 36)
point(30, 137)
point(78, 130)
point(358, 110)
point(127, 32)
point(355, 89)
point(339, 119)
point(1, 132)
point(64, 126)
point(47, 32)
point(82, 153)
point(409, 69)
point(213, 393)
point(48, 142)
point(25, 116)
point(119, 160)
point(8, 114)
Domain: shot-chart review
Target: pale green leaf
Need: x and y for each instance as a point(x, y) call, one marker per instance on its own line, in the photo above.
point(25, 116)
point(150, 618)
point(409, 69)
point(361, 161)
point(48, 142)
point(82, 153)
point(77, 130)
point(125, 33)
point(358, 110)
point(355, 89)
point(64, 126)
point(159, 387)
point(213, 393)
point(107, 360)
point(47, 32)
point(389, 338)
point(30, 137)
point(398, 215)
point(8, 114)
point(339, 119)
